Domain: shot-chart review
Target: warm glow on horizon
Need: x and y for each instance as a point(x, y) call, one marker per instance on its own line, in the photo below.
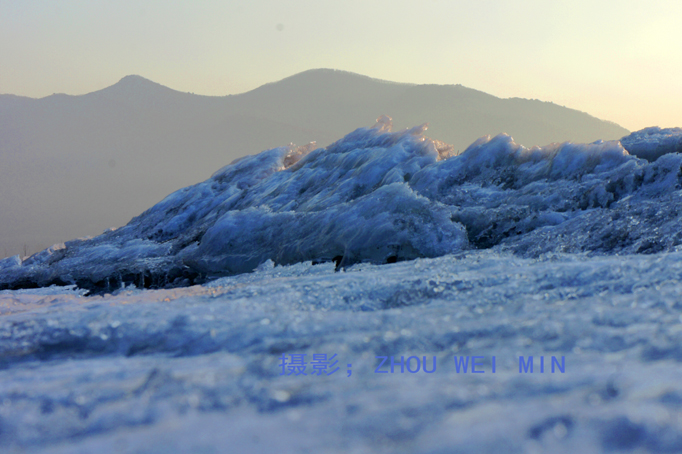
point(616, 60)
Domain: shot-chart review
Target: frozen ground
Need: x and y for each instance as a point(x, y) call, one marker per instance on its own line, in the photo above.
point(167, 334)
point(197, 369)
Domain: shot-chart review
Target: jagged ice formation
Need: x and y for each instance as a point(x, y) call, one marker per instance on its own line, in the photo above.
point(380, 196)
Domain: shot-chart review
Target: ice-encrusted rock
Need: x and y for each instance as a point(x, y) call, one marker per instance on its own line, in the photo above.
point(392, 223)
point(380, 196)
point(349, 202)
point(10, 262)
point(652, 143)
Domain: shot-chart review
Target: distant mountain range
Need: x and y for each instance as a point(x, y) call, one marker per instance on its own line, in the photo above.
point(76, 165)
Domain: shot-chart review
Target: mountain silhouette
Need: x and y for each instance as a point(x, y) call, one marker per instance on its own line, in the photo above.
point(76, 165)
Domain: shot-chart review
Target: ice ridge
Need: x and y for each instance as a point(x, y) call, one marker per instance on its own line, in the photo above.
point(380, 196)
point(652, 143)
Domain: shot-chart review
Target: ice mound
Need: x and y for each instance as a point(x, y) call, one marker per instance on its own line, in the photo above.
point(652, 143)
point(391, 224)
point(348, 202)
point(380, 196)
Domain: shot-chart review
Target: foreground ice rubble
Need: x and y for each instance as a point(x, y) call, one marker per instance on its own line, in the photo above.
point(379, 196)
point(197, 368)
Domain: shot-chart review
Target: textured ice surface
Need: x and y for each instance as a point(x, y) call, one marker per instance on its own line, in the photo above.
point(195, 369)
point(378, 196)
point(652, 143)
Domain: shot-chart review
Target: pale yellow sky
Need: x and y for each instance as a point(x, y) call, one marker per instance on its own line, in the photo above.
point(617, 60)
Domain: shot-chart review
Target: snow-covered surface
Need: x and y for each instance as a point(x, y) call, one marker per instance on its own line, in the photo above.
point(196, 369)
point(568, 250)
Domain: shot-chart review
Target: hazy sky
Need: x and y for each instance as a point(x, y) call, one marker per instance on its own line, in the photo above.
point(618, 60)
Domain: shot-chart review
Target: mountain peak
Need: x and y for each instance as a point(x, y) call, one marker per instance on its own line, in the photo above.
point(329, 75)
point(134, 86)
point(133, 78)
point(135, 82)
